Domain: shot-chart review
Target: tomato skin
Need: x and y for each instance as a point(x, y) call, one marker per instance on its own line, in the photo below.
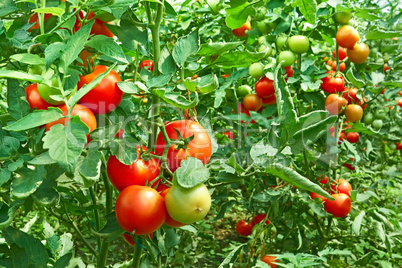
point(147, 64)
point(400, 102)
point(270, 260)
point(332, 84)
point(243, 91)
point(129, 239)
point(241, 31)
point(340, 207)
point(264, 87)
point(299, 44)
point(347, 36)
point(259, 218)
point(377, 124)
point(332, 63)
point(352, 137)
point(386, 68)
point(269, 100)
point(229, 134)
point(341, 186)
point(354, 112)
point(252, 102)
point(398, 145)
point(34, 98)
point(359, 53)
point(256, 70)
point(146, 216)
point(137, 173)
point(99, 27)
point(288, 57)
point(83, 112)
point(343, 17)
point(200, 147)
point(314, 196)
point(169, 221)
point(106, 96)
point(334, 104)
point(289, 72)
point(351, 96)
point(244, 228)
point(341, 53)
point(35, 18)
point(323, 180)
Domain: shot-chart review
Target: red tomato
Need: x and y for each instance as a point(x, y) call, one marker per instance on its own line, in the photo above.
point(334, 104)
point(85, 114)
point(129, 239)
point(241, 31)
point(354, 112)
point(332, 84)
point(147, 64)
point(400, 102)
point(120, 133)
point(264, 87)
point(138, 173)
point(351, 96)
point(347, 37)
point(35, 19)
point(398, 145)
point(289, 72)
point(270, 260)
point(270, 100)
point(106, 96)
point(314, 195)
point(323, 180)
point(340, 207)
point(359, 53)
point(229, 134)
point(352, 137)
point(259, 218)
point(200, 147)
point(341, 53)
point(341, 186)
point(140, 209)
point(349, 166)
point(332, 63)
point(99, 27)
point(252, 102)
point(244, 228)
point(386, 68)
point(169, 221)
point(34, 98)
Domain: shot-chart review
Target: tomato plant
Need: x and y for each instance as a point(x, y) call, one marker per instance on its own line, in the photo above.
point(288, 58)
point(244, 228)
point(256, 70)
point(270, 260)
point(354, 112)
point(147, 64)
point(252, 102)
point(341, 186)
point(352, 137)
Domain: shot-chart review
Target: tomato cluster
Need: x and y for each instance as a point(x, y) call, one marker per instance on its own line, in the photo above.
point(245, 228)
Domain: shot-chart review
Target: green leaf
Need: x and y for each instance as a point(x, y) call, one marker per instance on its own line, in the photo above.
point(53, 52)
point(379, 230)
point(5, 176)
point(261, 152)
point(129, 34)
point(191, 173)
point(204, 84)
point(176, 99)
point(28, 58)
point(381, 34)
point(159, 81)
point(238, 13)
point(185, 47)
point(210, 49)
point(87, 171)
point(46, 195)
point(18, 106)
point(49, 10)
point(166, 63)
point(294, 178)
point(284, 100)
point(232, 256)
point(63, 261)
point(112, 229)
point(27, 182)
point(308, 8)
point(366, 196)
point(357, 223)
point(7, 7)
point(238, 59)
point(35, 119)
point(9, 146)
point(7, 213)
point(42, 159)
point(107, 46)
point(220, 93)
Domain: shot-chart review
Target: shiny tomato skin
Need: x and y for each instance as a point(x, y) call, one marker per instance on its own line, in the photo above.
point(289, 72)
point(34, 98)
point(332, 63)
point(270, 260)
point(244, 228)
point(241, 31)
point(341, 53)
point(398, 145)
point(85, 114)
point(138, 173)
point(341, 186)
point(106, 96)
point(359, 53)
point(259, 218)
point(269, 100)
point(347, 36)
point(332, 84)
point(354, 112)
point(147, 64)
point(351, 96)
point(252, 102)
point(169, 221)
point(200, 147)
point(264, 87)
point(146, 216)
point(340, 207)
point(334, 104)
point(352, 137)
point(314, 195)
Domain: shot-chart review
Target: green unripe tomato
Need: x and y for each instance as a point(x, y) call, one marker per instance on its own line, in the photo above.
point(46, 91)
point(260, 15)
point(256, 70)
point(368, 118)
point(343, 17)
point(386, 57)
point(215, 6)
point(281, 41)
point(380, 114)
point(263, 26)
point(243, 91)
point(392, 146)
point(377, 124)
point(36, 69)
point(262, 40)
point(272, 25)
point(299, 44)
point(268, 48)
point(288, 57)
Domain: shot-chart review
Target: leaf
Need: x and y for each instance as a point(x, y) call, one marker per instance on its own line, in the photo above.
point(159, 81)
point(366, 196)
point(49, 10)
point(7, 213)
point(357, 223)
point(232, 256)
point(53, 52)
point(191, 173)
point(42, 159)
point(28, 58)
point(220, 93)
point(239, 59)
point(210, 49)
point(379, 230)
point(166, 63)
point(27, 182)
point(132, 88)
point(238, 13)
point(261, 152)
point(284, 101)
point(18, 106)
point(46, 195)
point(112, 229)
point(308, 8)
point(381, 34)
point(294, 178)
point(129, 34)
point(7, 7)
point(87, 170)
point(185, 47)
point(63, 261)
point(35, 119)
point(5, 176)
point(204, 84)
point(176, 99)
point(108, 47)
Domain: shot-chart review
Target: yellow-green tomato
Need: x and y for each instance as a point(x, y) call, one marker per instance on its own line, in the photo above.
point(299, 44)
point(288, 57)
point(46, 92)
point(256, 70)
point(343, 17)
point(36, 69)
point(188, 205)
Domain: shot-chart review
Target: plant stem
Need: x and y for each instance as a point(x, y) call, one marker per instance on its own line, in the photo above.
point(307, 164)
point(137, 255)
point(96, 220)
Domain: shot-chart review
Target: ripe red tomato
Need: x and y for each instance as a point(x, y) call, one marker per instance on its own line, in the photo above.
point(241, 31)
point(270, 100)
point(120, 133)
point(323, 180)
point(347, 36)
point(129, 239)
point(169, 221)
point(352, 137)
point(252, 102)
point(340, 207)
point(314, 195)
point(351, 96)
point(332, 63)
point(354, 112)
point(264, 87)
point(147, 64)
point(259, 218)
point(85, 114)
point(341, 53)
point(200, 147)
point(400, 102)
point(229, 134)
point(359, 53)
point(270, 260)
point(398, 145)
point(34, 98)
point(289, 72)
point(334, 104)
point(146, 216)
point(138, 173)
point(244, 228)
point(99, 27)
point(35, 19)
point(106, 96)
point(332, 84)
point(341, 186)
point(386, 68)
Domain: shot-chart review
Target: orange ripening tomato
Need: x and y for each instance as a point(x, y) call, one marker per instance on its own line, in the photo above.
point(386, 68)
point(270, 260)
point(347, 36)
point(354, 112)
point(241, 31)
point(252, 102)
point(332, 63)
point(359, 53)
point(334, 104)
point(34, 98)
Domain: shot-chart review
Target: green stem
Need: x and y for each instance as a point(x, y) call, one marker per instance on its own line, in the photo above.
point(65, 20)
point(97, 223)
point(137, 255)
point(336, 48)
point(307, 164)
